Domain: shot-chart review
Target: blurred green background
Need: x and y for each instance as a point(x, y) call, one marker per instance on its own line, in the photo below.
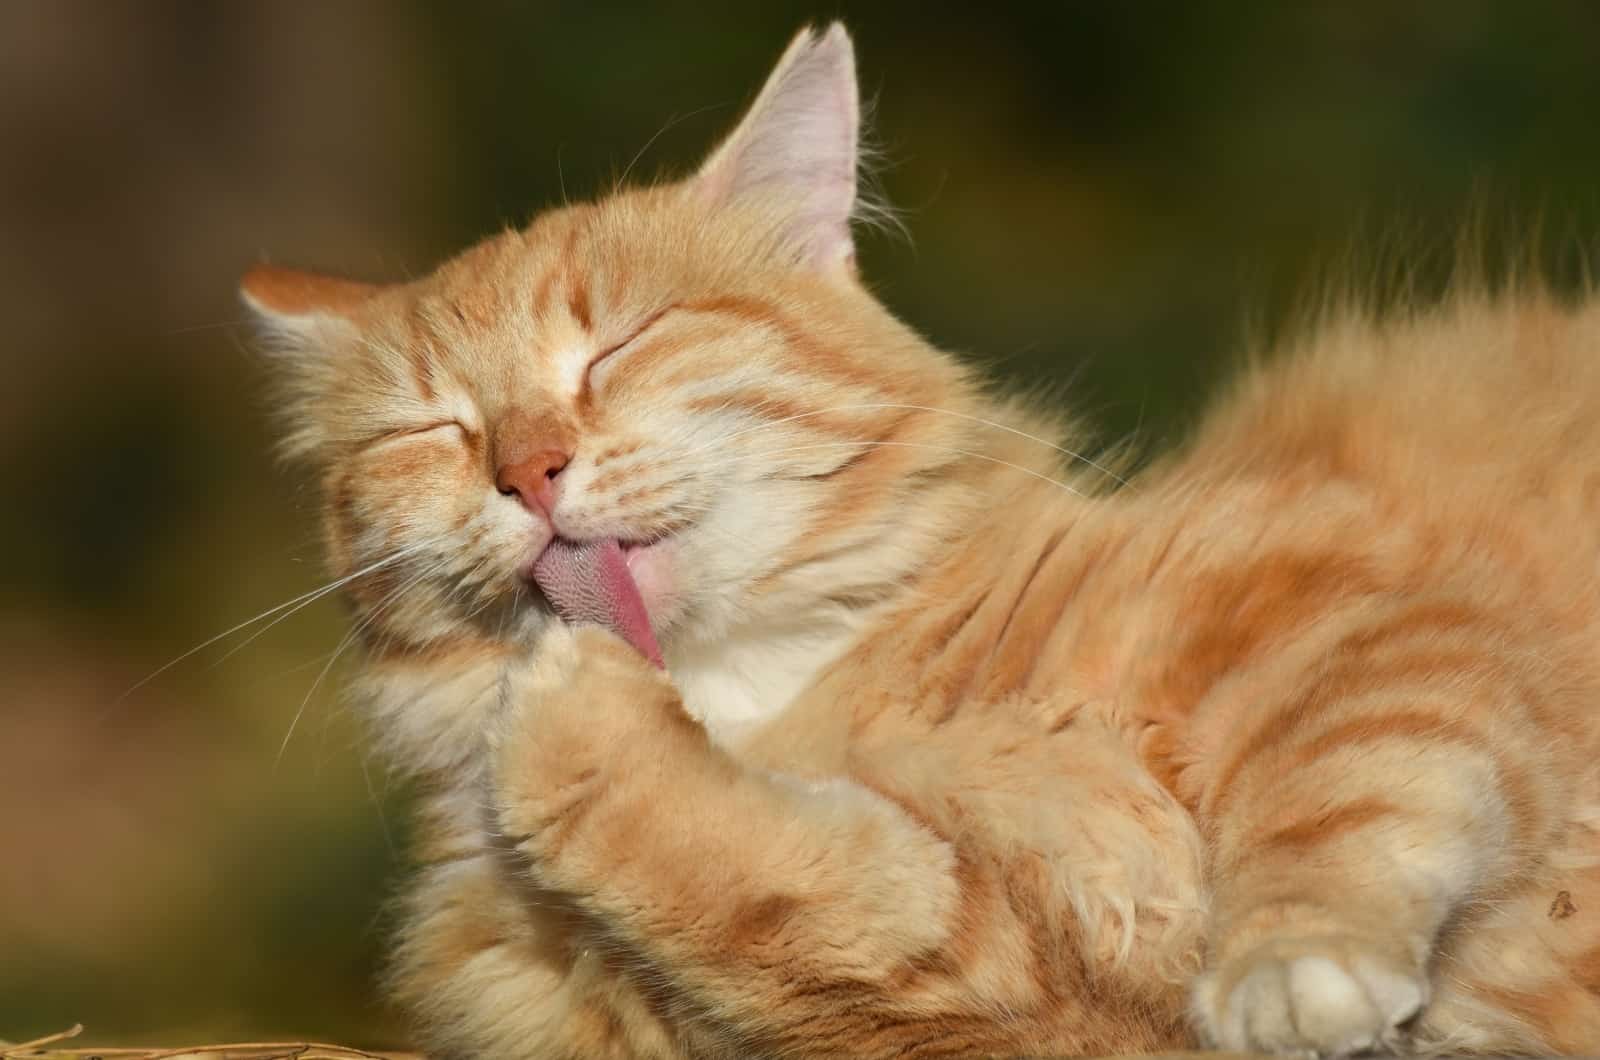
point(1101, 195)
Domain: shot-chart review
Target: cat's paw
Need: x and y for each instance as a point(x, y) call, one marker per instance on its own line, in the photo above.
point(583, 713)
point(585, 669)
point(1331, 995)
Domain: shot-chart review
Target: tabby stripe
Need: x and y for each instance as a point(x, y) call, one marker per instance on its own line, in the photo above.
point(578, 302)
point(1242, 611)
point(1433, 727)
point(830, 360)
point(1347, 678)
point(1329, 824)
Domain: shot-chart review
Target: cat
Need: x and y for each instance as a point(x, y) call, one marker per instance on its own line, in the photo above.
point(884, 724)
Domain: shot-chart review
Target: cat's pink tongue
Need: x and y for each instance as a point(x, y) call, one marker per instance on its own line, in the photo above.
point(589, 581)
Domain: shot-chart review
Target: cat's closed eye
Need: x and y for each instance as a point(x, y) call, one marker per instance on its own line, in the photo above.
point(593, 375)
point(442, 430)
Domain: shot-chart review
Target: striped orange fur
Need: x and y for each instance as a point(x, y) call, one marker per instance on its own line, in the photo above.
point(1290, 744)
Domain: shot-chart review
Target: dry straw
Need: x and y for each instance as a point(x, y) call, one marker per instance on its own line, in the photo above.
point(48, 1048)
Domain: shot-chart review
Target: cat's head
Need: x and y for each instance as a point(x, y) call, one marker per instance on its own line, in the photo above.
point(693, 370)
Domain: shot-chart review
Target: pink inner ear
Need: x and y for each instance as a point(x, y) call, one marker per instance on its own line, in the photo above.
point(797, 146)
point(589, 582)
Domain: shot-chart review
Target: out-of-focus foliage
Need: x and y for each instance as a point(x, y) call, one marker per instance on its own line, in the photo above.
point(1100, 196)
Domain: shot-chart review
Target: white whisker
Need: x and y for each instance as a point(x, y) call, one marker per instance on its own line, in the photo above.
point(922, 445)
point(293, 605)
point(674, 120)
point(377, 806)
point(1063, 450)
point(348, 639)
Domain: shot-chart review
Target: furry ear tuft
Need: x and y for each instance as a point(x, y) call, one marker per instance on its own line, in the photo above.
point(796, 151)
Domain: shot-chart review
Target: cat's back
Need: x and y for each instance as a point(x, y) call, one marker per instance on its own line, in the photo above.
point(1476, 399)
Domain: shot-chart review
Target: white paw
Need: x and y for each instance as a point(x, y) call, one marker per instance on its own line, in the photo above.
point(1330, 996)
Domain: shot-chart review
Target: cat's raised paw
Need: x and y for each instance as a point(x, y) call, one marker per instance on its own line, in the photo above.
point(582, 710)
point(583, 668)
point(1329, 996)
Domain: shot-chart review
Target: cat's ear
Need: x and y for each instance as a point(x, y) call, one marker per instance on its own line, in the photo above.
point(304, 318)
point(795, 152)
point(290, 303)
point(306, 323)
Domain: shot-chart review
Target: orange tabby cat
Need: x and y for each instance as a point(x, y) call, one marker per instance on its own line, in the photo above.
point(1292, 744)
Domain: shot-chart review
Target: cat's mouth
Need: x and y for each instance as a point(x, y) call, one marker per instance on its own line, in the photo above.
point(594, 582)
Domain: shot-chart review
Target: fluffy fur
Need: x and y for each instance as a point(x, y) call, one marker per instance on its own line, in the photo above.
point(1290, 744)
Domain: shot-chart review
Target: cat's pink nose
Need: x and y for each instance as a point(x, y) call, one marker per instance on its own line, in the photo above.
point(533, 479)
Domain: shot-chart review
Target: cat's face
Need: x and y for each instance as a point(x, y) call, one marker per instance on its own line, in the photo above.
point(692, 371)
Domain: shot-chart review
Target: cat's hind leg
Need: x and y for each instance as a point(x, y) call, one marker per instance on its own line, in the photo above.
point(1411, 771)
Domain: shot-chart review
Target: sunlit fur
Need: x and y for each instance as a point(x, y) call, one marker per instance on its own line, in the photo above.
point(962, 750)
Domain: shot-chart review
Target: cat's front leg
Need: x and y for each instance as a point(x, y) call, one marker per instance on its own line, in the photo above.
point(780, 908)
point(584, 721)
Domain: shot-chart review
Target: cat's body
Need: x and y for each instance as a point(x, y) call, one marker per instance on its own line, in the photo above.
point(961, 752)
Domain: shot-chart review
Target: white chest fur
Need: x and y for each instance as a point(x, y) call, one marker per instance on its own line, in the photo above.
point(736, 686)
